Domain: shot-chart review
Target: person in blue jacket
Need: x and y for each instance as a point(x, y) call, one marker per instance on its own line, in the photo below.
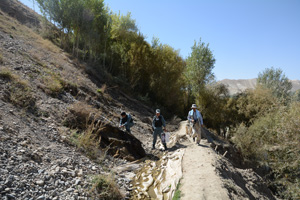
point(158, 125)
point(126, 121)
point(196, 122)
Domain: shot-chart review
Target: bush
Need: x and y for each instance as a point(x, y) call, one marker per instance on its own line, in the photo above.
point(104, 187)
point(80, 115)
point(273, 141)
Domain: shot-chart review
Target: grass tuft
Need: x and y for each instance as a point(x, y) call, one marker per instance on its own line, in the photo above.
point(104, 187)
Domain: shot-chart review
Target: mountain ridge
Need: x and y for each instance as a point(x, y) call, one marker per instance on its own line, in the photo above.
point(239, 85)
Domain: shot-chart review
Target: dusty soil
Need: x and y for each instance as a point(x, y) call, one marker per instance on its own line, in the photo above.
point(203, 173)
point(200, 180)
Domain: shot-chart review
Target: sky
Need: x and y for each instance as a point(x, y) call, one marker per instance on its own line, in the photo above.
point(245, 36)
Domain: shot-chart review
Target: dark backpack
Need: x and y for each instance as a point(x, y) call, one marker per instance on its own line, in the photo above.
point(158, 123)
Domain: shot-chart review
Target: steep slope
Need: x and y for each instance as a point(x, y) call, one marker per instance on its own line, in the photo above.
point(43, 89)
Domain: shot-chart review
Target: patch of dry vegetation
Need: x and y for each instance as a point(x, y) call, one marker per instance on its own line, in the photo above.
point(18, 91)
point(104, 187)
point(53, 84)
point(86, 137)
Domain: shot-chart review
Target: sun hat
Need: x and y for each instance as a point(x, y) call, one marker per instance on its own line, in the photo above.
point(157, 111)
point(194, 106)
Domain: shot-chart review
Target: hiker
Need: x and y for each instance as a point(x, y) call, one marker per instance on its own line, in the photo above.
point(196, 122)
point(126, 121)
point(159, 125)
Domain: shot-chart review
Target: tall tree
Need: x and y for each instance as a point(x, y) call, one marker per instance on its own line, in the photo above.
point(275, 80)
point(199, 67)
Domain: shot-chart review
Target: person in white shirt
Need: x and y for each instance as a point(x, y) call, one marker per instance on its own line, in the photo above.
point(196, 122)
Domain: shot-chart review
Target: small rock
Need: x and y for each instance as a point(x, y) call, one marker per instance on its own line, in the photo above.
point(10, 197)
point(40, 182)
point(41, 198)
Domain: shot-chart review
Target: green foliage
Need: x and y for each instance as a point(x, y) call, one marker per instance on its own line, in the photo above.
point(213, 101)
point(275, 80)
point(273, 140)
point(177, 194)
point(296, 96)
point(252, 104)
point(82, 23)
point(199, 68)
point(104, 187)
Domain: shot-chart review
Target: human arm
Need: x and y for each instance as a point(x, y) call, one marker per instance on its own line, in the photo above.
point(153, 123)
point(200, 119)
point(163, 122)
point(120, 125)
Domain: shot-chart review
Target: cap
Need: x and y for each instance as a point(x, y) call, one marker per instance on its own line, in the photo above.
point(157, 111)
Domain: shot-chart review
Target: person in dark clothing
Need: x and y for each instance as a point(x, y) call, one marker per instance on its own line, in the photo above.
point(158, 125)
point(126, 121)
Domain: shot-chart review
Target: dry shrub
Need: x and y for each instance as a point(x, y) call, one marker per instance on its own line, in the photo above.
point(104, 187)
point(18, 91)
point(6, 74)
point(273, 141)
point(80, 115)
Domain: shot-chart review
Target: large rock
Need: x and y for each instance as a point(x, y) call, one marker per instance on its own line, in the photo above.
point(121, 144)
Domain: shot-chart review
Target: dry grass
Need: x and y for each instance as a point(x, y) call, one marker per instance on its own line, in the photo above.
point(18, 91)
point(104, 187)
point(79, 116)
point(5, 73)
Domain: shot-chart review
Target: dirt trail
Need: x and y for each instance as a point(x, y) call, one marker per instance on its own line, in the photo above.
point(200, 180)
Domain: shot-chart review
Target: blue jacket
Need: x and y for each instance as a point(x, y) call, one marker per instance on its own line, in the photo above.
point(198, 116)
point(127, 122)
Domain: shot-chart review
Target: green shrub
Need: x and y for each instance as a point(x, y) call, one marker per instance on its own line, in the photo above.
point(177, 194)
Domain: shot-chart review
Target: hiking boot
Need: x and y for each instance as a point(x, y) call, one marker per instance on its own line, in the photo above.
point(153, 148)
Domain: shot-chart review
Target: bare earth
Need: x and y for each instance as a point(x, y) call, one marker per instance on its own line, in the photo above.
point(200, 180)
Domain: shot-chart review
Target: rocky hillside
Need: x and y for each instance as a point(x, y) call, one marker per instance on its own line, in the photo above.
point(240, 85)
point(59, 135)
point(48, 100)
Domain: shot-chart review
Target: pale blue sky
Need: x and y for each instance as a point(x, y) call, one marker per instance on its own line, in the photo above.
point(245, 36)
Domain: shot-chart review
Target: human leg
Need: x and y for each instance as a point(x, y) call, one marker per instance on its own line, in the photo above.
point(197, 132)
point(154, 139)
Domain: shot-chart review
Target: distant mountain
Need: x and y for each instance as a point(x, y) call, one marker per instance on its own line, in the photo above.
point(240, 85)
